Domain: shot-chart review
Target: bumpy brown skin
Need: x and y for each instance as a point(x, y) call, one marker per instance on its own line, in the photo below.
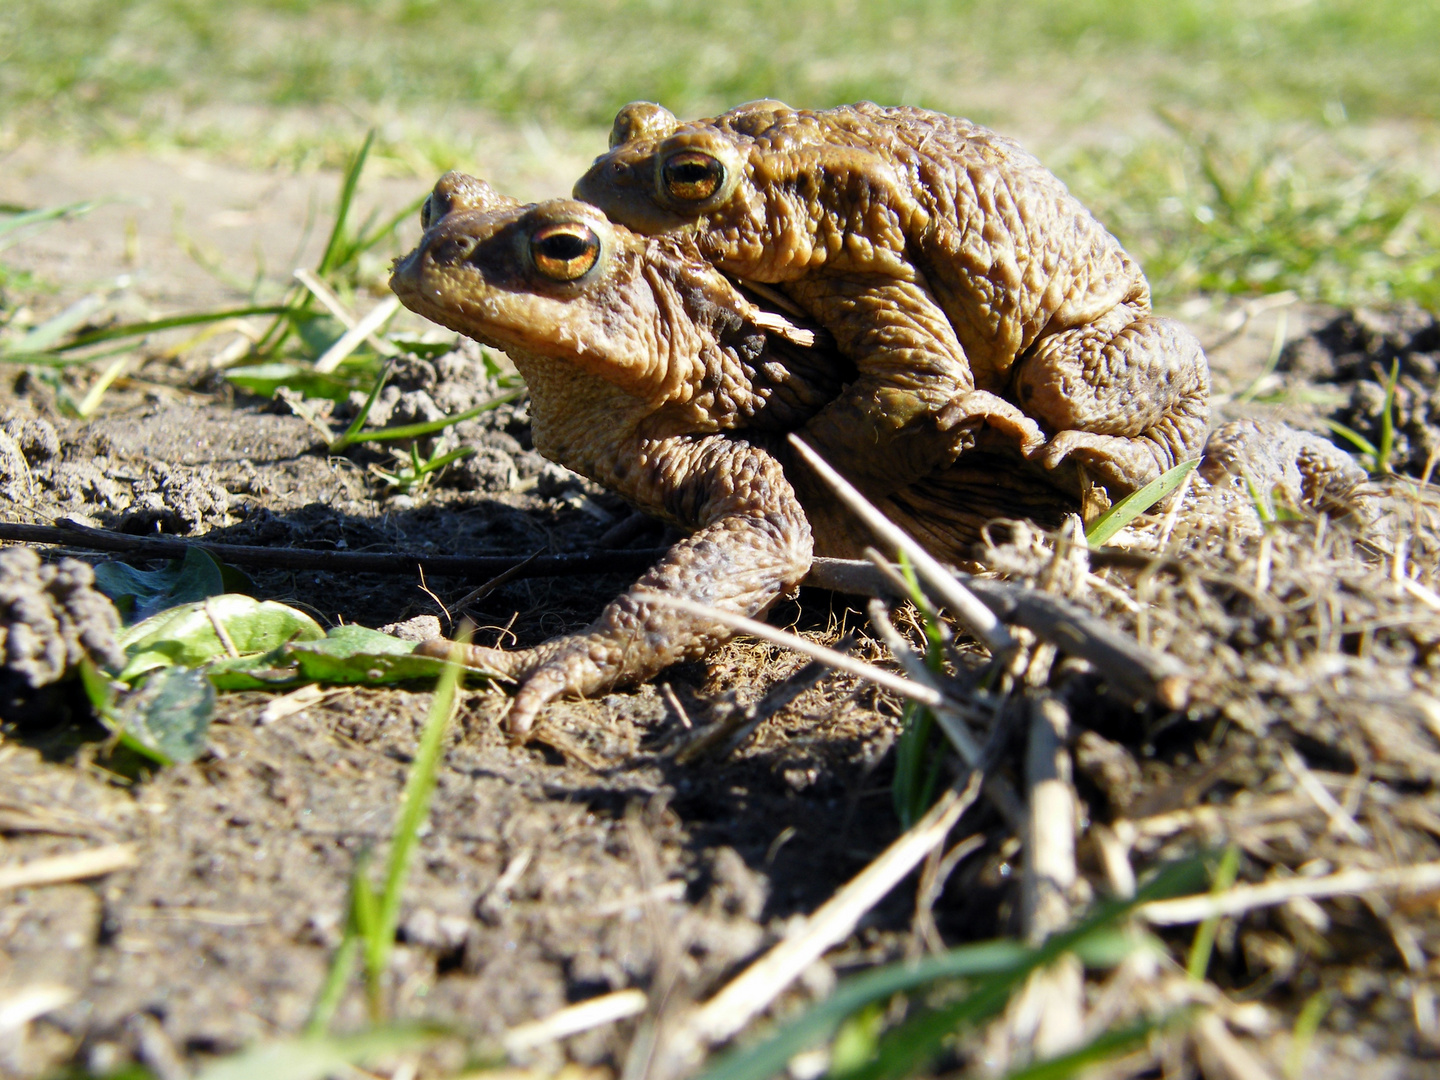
point(1268, 460)
point(944, 259)
point(651, 374)
point(638, 372)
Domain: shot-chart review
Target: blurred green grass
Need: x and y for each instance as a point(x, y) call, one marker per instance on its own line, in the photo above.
point(572, 63)
point(1268, 185)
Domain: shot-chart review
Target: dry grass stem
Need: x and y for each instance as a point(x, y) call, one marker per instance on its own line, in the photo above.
point(1054, 998)
point(336, 307)
point(925, 695)
point(30, 1003)
point(585, 1016)
point(1423, 878)
point(963, 604)
point(77, 866)
point(349, 341)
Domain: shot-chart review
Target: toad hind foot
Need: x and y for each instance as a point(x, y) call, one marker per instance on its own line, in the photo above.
point(1128, 396)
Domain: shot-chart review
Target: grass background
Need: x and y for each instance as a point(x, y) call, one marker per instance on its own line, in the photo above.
point(1235, 147)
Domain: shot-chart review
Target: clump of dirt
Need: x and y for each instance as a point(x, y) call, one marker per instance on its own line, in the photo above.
point(51, 618)
point(1355, 353)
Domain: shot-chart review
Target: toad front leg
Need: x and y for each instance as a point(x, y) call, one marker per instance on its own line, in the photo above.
point(913, 407)
point(752, 545)
point(1127, 395)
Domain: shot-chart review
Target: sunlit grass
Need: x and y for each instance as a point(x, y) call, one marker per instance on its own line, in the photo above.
point(1221, 208)
point(104, 67)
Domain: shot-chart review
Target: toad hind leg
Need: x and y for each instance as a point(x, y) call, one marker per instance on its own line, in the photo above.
point(883, 430)
point(753, 546)
point(1127, 395)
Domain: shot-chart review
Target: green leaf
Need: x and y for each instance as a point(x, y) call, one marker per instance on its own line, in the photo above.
point(140, 594)
point(25, 222)
point(354, 654)
point(347, 655)
point(1136, 503)
point(167, 716)
point(186, 636)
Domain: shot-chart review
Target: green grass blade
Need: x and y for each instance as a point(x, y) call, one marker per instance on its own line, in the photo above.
point(414, 809)
point(138, 329)
point(43, 338)
point(342, 966)
point(1136, 503)
point(345, 440)
point(911, 1045)
point(310, 1058)
point(1387, 420)
point(437, 463)
point(1103, 1046)
point(1094, 939)
point(54, 360)
point(15, 228)
point(1303, 1034)
point(1353, 437)
point(771, 1056)
point(329, 260)
point(1198, 962)
point(416, 431)
point(367, 240)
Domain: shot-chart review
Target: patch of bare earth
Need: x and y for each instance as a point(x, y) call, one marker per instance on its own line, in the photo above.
point(592, 860)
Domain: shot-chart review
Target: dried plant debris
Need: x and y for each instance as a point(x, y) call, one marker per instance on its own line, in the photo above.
point(51, 618)
point(1312, 744)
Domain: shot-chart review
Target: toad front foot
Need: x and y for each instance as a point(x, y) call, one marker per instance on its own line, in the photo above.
point(1121, 465)
point(575, 665)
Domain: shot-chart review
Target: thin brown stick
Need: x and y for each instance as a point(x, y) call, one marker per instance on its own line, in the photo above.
point(364, 562)
point(1050, 875)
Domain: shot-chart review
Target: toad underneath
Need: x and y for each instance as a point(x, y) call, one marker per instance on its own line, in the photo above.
point(943, 258)
point(651, 374)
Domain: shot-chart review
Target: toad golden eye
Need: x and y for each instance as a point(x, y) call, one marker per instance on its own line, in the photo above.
point(692, 176)
point(427, 211)
point(566, 251)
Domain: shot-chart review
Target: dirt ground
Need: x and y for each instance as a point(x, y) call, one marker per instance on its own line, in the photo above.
point(589, 860)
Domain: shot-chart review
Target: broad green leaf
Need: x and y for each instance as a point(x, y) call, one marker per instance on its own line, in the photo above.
point(1136, 503)
point(354, 654)
point(187, 636)
point(140, 594)
point(346, 655)
point(167, 716)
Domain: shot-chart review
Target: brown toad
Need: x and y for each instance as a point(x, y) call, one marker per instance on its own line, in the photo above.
point(650, 373)
point(943, 258)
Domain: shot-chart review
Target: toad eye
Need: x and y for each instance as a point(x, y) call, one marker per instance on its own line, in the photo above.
point(427, 211)
point(566, 251)
point(692, 176)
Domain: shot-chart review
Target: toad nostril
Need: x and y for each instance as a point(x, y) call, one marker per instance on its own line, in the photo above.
point(451, 250)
